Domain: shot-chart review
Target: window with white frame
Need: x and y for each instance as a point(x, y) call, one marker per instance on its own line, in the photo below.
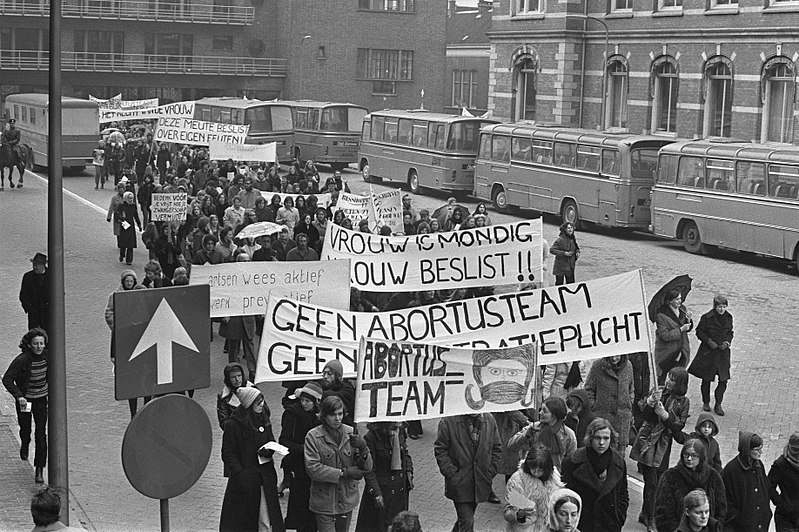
point(669, 5)
point(621, 5)
point(525, 73)
point(528, 7)
point(407, 6)
point(718, 100)
point(384, 68)
point(724, 4)
point(778, 101)
point(664, 97)
point(616, 98)
point(464, 88)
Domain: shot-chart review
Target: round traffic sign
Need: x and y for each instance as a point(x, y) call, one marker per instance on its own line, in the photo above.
point(167, 446)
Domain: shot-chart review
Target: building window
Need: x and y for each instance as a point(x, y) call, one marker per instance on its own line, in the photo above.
point(222, 43)
point(621, 5)
point(724, 3)
point(464, 88)
point(404, 6)
point(616, 97)
point(527, 7)
point(391, 65)
point(168, 44)
point(718, 100)
point(525, 89)
point(778, 100)
point(664, 97)
point(321, 53)
point(669, 5)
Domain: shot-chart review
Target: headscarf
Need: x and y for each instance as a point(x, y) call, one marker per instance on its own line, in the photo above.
point(558, 495)
point(127, 197)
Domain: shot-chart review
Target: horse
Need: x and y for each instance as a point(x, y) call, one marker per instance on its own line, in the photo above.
point(9, 159)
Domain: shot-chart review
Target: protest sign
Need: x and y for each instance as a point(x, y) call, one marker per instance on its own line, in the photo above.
point(388, 209)
point(591, 319)
point(220, 151)
point(243, 288)
point(400, 381)
point(485, 256)
point(169, 207)
point(322, 200)
point(177, 109)
point(112, 102)
point(198, 132)
point(357, 208)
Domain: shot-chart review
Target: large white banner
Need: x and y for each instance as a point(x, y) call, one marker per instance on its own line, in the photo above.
point(357, 208)
point(242, 152)
point(243, 288)
point(388, 209)
point(322, 200)
point(592, 319)
point(174, 110)
point(493, 255)
point(169, 207)
point(198, 132)
point(399, 381)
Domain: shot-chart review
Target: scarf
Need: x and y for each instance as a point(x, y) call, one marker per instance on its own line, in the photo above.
point(477, 423)
point(549, 437)
point(693, 478)
point(396, 451)
point(599, 462)
point(787, 455)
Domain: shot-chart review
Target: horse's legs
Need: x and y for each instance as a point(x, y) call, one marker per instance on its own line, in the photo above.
point(11, 176)
point(21, 169)
point(2, 178)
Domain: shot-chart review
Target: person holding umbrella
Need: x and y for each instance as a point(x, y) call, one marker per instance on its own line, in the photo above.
point(713, 356)
point(673, 320)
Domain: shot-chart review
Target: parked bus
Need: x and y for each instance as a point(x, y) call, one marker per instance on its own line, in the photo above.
point(80, 128)
point(580, 174)
point(327, 133)
point(732, 194)
point(269, 121)
point(423, 149)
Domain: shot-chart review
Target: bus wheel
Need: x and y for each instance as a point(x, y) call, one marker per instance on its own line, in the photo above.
point(796, 259)
point(413, 182)
point(691, 240)
point(365, 172)
point(569, 213)
point(500, 200)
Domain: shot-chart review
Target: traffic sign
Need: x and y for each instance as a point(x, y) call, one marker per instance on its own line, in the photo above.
point(167, 446)
point(162, 338)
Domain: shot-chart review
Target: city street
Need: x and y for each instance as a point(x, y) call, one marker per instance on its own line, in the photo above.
point(761, 397)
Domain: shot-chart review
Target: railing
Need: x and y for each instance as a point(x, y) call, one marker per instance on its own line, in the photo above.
point(146, 64)
point(145, 10)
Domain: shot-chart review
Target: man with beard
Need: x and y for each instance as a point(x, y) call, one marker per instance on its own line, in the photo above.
point(35, 292)
point(248, 194)
point(333, 383)
point(503, 376)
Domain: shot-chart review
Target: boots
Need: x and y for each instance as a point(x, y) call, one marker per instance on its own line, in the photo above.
point(39, 475)
point(24, 450)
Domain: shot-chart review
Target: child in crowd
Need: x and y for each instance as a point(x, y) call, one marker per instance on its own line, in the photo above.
point(704, 431)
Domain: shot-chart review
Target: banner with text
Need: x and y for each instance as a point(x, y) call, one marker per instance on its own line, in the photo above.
point(322, 200)
point(173, 110)
point(169, 207)
point(492, 255)
point(401, 381)
point(388, 209)
point(243, 288)
point(357, 208)
point(198, 132)
point(221, 151)
point(592, 319)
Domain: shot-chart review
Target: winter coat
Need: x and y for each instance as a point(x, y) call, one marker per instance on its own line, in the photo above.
point(784, 489)
point(670, 341)
point(526, 438)
point(126, 238)
point(612, 393)
point(508, 424)
point(604, 502)
point(331, 493)
point(580, 423)
point(676, 483)
point(468, 472)
point(747, 488)
point(238, 328)
point(116, 201)
point(18, 374)
point(564, 264)
point(34, 293)
point(652, 447)
point(532, 489)
point(711, 445)
point(295, 426)
point(713, 525)
point(711, 359)
point(345, 391)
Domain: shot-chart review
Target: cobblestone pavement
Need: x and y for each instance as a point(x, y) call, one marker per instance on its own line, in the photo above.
point(763, 300)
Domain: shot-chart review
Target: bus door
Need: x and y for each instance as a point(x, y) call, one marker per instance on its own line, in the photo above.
point(612, 196)
point(637, 206)
point(498, 169)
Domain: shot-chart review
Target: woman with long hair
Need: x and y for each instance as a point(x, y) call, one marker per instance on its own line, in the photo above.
point(548, 431)
point(535, 481)
point(673, 323)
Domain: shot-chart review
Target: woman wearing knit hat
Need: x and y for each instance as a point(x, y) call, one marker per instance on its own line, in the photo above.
point(252, 485)
point(784, 486)
point(333, 383)
point(298, 418)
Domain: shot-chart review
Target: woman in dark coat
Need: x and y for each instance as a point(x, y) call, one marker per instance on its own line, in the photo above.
point(610, 387)
point(298, 418)
point(746, 483)
point(247, 430)
point(127, 217)
point(566, 253)
point(306, 226)
point(691, 472)
point(673, 321)
point(713, 357)
point(389, 481)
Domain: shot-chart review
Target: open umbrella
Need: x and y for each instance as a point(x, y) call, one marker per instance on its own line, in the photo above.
point(259, 229)
point(108, 130)
point(681, 283)
point(440, 214)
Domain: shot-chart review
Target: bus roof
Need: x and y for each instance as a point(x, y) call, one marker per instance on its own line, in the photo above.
point(43, 100)
point(238, 103)
point(424, 114)
point(738, 149)
point(555, 132)
point(318, 105)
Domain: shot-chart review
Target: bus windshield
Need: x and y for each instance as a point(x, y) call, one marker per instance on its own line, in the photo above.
point(268, 118)
point(643, 163)
point(463, 137)
point(342, 119)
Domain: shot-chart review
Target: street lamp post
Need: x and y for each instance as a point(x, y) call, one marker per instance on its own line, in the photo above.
point(604, 67)
point(302, 43)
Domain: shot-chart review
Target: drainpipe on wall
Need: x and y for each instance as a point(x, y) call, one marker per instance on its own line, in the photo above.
point(582, 66)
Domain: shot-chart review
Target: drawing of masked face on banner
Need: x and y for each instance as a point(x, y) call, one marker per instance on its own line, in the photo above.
point(503, 376)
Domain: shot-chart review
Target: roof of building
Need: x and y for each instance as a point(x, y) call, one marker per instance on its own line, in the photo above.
point(468, 27)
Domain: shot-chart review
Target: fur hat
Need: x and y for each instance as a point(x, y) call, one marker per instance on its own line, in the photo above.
point(126, 273)
point(336, 367)
point(247, 395)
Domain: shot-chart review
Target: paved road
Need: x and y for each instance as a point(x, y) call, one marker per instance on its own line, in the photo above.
point(762, 297)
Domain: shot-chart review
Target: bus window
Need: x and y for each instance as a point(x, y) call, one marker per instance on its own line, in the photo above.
point(485, 147)
point(366, 132)
point(644, 163)
point(463, 136)
point(16, 112)
point(783, 181)
point(521, 149)
point(440, 135)
point(720, 175)
point(610, 162)
point(378, 124)
point(542, 151)
point(237, 116)
point(691, 172)
point(391, 130)
point(355, 117)
point(420, 134)
point(667, 169)
point(216, 113)
point(33, 115)
point(751, 178)
point(405, 129)
point(588, 158)
point(564, 154)
point(431, 134)
point(281, 118)
point(301, 121)
point(24, 114)
point(334, 119)
point(499, 149)
point(258, 119)
point(206, 114)
point(224, 116)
